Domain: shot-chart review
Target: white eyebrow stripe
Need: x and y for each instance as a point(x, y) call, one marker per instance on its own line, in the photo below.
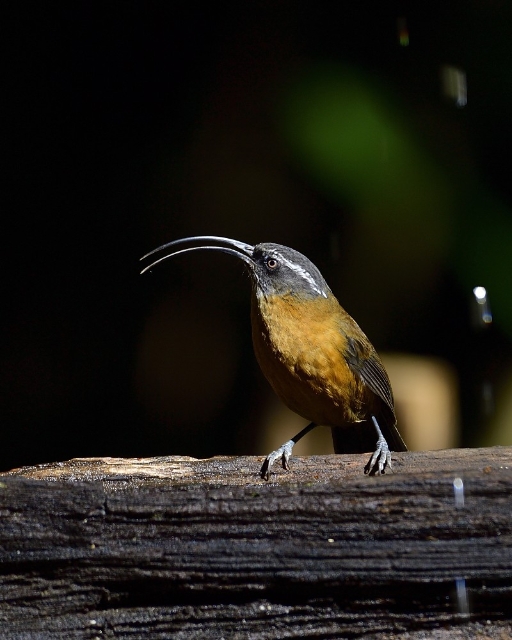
point(303, 274)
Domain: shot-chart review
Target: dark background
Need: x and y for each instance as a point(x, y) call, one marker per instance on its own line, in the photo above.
point(128, 124)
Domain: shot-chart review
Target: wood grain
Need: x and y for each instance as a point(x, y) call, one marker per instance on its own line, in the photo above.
point(181, 548)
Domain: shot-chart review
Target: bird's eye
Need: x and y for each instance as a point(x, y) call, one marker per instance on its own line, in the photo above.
point(271, 263)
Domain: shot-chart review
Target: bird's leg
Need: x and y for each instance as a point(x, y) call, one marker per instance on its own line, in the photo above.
point(381, 455)
point(284, 452)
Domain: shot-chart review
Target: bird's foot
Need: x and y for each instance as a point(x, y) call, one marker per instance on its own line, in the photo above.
point(380, 460)
point(284, 452)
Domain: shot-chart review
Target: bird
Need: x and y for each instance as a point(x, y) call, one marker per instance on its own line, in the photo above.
point(313, 353)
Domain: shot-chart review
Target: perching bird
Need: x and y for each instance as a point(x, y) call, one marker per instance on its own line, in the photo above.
point(313, 353)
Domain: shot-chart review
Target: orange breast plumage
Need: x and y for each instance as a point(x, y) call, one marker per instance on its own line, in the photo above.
point(300, 351)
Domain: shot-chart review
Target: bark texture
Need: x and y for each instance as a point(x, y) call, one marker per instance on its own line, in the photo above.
point(183, 548)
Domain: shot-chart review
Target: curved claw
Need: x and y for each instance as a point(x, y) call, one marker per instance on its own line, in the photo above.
point(284, 452)
point(380, 460)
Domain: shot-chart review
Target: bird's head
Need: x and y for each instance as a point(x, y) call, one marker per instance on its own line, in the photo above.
point(275, 269)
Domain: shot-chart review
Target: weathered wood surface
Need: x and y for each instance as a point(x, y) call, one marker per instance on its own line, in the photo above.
point(183, 548)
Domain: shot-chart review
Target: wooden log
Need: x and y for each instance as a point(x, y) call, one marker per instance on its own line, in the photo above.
point(181, 548)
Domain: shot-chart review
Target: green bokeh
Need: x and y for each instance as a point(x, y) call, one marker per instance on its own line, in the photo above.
point(357, 145)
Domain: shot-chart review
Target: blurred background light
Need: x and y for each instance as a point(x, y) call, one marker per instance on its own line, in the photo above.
point(342, 130)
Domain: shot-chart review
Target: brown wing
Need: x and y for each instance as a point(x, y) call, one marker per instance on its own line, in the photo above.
point(366, 364)
point(364, 361)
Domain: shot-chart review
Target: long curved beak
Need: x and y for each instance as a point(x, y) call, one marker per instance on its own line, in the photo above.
point(239, 249)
